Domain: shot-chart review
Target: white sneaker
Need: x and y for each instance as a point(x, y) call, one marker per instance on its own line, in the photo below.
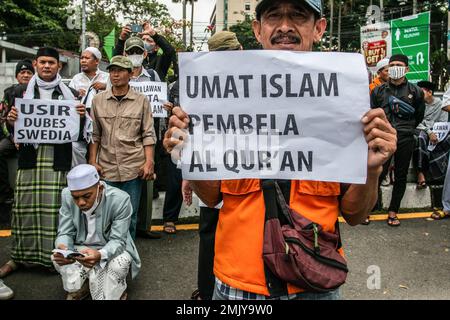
point(5, 292)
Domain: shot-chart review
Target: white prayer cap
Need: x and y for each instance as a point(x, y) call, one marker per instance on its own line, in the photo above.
point(82, 177)
point(95, 52)
point(382, 63)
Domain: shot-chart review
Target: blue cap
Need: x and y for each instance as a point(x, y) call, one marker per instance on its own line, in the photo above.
point(315, 5)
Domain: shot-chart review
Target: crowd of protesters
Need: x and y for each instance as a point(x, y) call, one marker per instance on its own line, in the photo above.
point(78, 207)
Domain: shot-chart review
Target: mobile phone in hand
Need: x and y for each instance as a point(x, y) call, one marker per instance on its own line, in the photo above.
point(136, 28)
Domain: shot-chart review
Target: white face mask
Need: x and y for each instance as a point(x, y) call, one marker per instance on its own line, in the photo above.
point(96, 203)
point(397, 72)
point(136, 59)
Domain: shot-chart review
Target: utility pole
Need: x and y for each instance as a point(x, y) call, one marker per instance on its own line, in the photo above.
point(381, 11)
point(448, 31)
point(83, 25)
point(339, 26)
point(184, 23)
point(414, 6)
point(331, 23)
point(192, 24)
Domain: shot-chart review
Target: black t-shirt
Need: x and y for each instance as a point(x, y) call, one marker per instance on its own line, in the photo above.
point(408, 93)
point(120, 97)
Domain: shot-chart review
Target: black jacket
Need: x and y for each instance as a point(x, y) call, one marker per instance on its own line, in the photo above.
point(407, 92)
point(62, 153)
point(6, 102)
point(160, 64)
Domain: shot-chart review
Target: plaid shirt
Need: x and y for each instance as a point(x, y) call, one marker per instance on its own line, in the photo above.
point(230, 293)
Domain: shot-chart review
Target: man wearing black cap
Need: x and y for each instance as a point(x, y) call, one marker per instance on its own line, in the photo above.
point(404, 106)
point(41, 173)
point(24, 72)
point(238, 264)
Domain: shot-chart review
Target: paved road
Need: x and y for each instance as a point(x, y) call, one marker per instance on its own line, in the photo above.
point(413, 260)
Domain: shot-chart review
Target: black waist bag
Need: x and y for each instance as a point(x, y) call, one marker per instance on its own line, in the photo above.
point(401, 109)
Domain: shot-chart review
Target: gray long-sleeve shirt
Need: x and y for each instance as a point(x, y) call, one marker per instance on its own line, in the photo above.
point(433, 113)
point(112, 221)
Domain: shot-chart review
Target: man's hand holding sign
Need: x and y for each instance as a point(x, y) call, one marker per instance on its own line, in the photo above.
point(311, 109)
point(309, 119)
point(156, 93)
point(46, 121)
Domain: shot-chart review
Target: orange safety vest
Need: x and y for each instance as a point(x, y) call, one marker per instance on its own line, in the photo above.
point(238, 258)
point(375, 83)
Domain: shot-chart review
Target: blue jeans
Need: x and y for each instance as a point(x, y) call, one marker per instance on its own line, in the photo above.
point(133, 188)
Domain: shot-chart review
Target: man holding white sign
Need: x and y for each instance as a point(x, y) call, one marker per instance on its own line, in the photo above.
point(293, 25)
point(44, 159)
point(429, 137)
point(46, 121)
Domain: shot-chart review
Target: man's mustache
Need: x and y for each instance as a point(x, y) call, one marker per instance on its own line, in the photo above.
point(282, 36)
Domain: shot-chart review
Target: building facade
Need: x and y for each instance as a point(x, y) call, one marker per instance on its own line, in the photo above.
point(227, 13)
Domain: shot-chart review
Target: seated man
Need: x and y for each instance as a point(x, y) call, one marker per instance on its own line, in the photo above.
point(94, 220)
point(427, 162)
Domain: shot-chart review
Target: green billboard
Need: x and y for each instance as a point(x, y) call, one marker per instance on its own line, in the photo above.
point(411, 37)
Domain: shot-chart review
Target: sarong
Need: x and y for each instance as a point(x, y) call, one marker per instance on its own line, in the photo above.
point(36, 210)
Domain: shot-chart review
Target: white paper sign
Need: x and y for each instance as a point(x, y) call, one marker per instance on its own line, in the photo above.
point(274, 115)
point(46, 121)
point(156, 93)
point(441, 129)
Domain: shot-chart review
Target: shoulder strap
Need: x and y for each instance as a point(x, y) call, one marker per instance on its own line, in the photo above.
point(275, 286)
point(338, 232)
point(151, 73)
point(87, 95)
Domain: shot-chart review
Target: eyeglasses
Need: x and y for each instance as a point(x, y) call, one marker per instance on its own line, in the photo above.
point(135, 51)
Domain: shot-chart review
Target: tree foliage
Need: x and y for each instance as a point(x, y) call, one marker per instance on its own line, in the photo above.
point(244, 33)
point(45, 22)
point(36, 22)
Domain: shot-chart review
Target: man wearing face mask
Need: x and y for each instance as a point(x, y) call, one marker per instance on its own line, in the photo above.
point(124, 137)
point(93, 221)
point(152, 43)
point(134, 50)
point(404, 105)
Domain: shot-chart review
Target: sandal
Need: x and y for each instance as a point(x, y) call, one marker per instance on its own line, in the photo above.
point(169, 228)
point(8, 268)
point(421, 185)
point(439, 215)
point(393, 221)
point(366, 222)
point(196, 295)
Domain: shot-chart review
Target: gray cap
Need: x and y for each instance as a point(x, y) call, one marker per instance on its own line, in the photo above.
point(134, 42)
point(121, 61)
point(315, 5)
